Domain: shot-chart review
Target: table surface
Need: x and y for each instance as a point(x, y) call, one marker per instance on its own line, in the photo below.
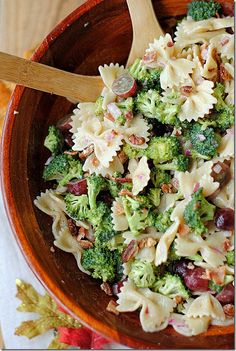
point(23, 25)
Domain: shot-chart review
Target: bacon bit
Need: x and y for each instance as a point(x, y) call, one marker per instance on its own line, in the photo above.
point(197, 205)
point(122, 157)
point(167, 188)
point(86, 152)
point(226, 244)
point(136, 140)
point(224, 74)
point(178, 299)
point(178, 132)
point(72, 227)
point(72, 153)
point(85, 244)
point(83, 233)
point(125, 192)
point(183, 229)
point(170, 44)
point(149, 57)
point(130, 251)
point(186, 90)
point(111, 307)
point(109, 116)
point(95, 161)
point(52, 249)
point(217, 275)
point(146, 310)
point(224, 41)
point(106, 288)
point(129, 116)
point(146, 242)
point(122, 180)
point(229, 310)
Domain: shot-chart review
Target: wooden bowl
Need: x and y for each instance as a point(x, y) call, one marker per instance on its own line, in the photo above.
point(96, 33)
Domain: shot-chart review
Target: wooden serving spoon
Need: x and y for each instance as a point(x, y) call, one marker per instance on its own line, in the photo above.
point(73, 86)
point(49, 79)
point(145, 27)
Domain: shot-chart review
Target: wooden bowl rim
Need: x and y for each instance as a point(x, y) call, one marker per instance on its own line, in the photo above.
point(11, 211)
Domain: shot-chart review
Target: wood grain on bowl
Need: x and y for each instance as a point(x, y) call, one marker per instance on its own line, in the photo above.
point(98, 32)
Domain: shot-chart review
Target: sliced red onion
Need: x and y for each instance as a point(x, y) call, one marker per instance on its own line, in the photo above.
point(224, 41)
point(196, 187)
point(187, 152)
point(175, 183)
point(114, 110)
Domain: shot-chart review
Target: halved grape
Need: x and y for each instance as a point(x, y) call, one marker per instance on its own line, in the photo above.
point(124, 86)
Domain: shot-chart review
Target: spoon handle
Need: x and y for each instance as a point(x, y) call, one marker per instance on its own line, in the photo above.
point(49, 79)
point(145, 27)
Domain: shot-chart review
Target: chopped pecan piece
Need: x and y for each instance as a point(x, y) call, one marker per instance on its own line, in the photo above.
point(136, 140)
point(122, 157)
point(130, 251)
point(178, 299)
point(186, 90)
point(122, 180)
point(146, 242)
point(224, 74)
point(111, 307)
point(85, 244)
point(106, 288)
point(229, 310)
point(86, 152)
point(167, 188)
point(72, 227)
point(125, 192)
point(83, 233)
point(72, 153)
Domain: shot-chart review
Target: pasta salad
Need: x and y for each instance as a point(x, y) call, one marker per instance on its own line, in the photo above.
point(144, 179)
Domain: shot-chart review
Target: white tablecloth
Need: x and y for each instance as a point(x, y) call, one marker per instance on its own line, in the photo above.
point(13, 266)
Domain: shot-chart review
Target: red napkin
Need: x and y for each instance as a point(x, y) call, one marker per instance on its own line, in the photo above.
point(81, 337)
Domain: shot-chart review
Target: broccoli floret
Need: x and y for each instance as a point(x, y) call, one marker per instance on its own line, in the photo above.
point(204, 141)
point(171, 286)
point(96, 215)
point(202, 10)
point(95, 184)
point(137, 215)
point(132, 152)
point(146, 78)
point(126, 105)
point(230, 257)
point(150, 105)
point(159, 177)
point(75, 171)
point(198, 211)
point(101, 262)
point(179, 163)
point(98, 106)
point(154, 196)
point(162, 149)
point(77, 207)
point(163, 221)
point(224, 118)
point(54, 141)
point(104, 227)
point(147, 103)
point(172, 256)
point(113, 187)
point(142, 274)
point(57, 168)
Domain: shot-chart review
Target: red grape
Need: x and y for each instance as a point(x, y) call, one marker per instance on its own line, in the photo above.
point(78, 187)
point(124, 86)
point(227, 294)
point(194, 281)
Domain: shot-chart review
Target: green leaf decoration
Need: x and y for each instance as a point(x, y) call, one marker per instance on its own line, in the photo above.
point(49, 315)
point(55, 344)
